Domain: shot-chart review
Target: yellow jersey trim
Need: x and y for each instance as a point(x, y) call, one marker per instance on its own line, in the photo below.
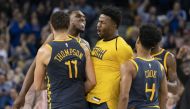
point(68, 39)
point(48, 92)
point(162, 68)
point(71, 36)
point(137, 67)
point(49, 46)
point(77, 38)
point(151, 59)
point(158, 53)
point(156, 106)
point(165, 60)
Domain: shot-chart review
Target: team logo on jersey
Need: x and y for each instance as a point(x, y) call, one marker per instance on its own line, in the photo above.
point(98, 52)
point(66, 44)
point(149, 65)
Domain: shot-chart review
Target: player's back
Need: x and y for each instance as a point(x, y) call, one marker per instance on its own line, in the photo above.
point(145, 87)
point(66, 75)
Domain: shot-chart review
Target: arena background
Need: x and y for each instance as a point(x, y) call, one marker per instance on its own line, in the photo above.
point(24, 27)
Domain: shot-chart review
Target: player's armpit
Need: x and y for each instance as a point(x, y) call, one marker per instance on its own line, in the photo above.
point(90, 73)
point(128, 70)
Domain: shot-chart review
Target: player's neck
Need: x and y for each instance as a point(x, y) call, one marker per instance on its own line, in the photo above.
point(60, 35)
point(73, 32)
point(156, 50)
point(144, 53)
point(111, 36)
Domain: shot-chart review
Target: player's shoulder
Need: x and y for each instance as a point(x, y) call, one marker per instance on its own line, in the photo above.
point(122, 44)
point(44, 52)
point(83, 41)
point(169, 55)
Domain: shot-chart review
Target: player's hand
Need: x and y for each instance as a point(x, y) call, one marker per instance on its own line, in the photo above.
point(182, 52)
point(19, 102)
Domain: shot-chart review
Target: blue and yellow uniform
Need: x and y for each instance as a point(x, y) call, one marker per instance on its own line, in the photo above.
point(145, 87)
point(66, 75)
point(162, 57)
point(107, 57)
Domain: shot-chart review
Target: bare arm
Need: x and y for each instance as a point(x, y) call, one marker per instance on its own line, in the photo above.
point(172, 74)
point(29, 78)
point(42, 59)
point(90, 73)
point(127, 71)
point(163, 92)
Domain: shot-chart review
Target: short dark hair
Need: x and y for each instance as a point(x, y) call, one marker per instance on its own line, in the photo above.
point(72, 11)
point(113, 12)
point(59, 20)
point(149, 36)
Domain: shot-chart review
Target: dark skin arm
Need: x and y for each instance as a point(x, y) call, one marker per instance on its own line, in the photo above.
point(127, 72)
point(29, 79)
point(172, 74)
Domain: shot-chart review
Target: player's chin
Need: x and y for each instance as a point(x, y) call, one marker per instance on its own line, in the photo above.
point(82, 29)
point(99, 34)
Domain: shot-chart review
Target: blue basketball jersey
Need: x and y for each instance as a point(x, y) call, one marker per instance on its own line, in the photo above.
point(66, 75)
point(145, 87)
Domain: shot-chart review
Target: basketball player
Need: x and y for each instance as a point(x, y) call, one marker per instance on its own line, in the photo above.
point(108, 55)
point(143, 81)
point(168, 60)
point(64, 59)
point(77, 23)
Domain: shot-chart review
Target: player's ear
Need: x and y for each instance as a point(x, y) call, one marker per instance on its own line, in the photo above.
point(137, 43)
point(51, 28)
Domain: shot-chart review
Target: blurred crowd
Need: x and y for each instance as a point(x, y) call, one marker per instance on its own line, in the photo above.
point(24, 27)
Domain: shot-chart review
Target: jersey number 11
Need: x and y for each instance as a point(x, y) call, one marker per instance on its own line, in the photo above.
point(70, 64)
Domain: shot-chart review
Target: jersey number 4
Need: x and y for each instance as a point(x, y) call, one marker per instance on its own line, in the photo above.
point(151, 90)
point(71, 72)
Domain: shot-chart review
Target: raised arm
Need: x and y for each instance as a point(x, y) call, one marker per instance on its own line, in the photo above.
point(127, 72)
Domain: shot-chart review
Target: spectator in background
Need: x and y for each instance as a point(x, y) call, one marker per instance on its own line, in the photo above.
point(36, 28)
point(3, 51)
point(31, 44)
point(183, 70)
point(4, 67)
point(61, 7)
point(176, 17)
point(150, 16)
point(43, 14)
point(12, 96)
point(137, 21)
point(18, 26)
point(170, 42)
point(18, 76)
point(132, 34)
point(5, 87)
